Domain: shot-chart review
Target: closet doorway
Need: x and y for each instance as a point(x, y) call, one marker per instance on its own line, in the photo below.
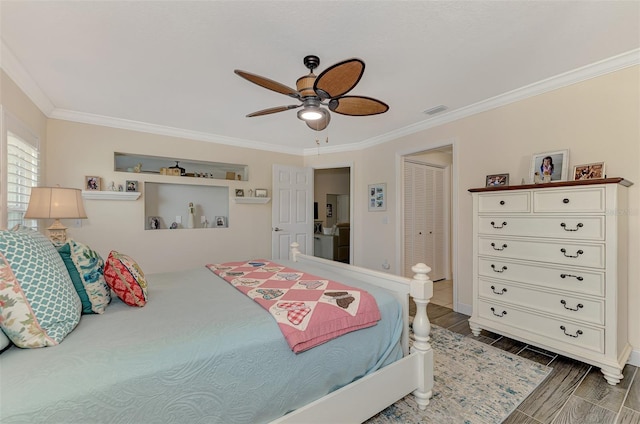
point(427, 218)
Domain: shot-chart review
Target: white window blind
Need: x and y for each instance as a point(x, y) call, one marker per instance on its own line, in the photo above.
point(23, 166)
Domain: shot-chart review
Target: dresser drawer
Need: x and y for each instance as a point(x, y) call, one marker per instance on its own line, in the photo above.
point(569, 201)
point(505, 202)
point(563, 331)
point(564, 305)
point(583, 228)
point(568, 253)
point(560, 278)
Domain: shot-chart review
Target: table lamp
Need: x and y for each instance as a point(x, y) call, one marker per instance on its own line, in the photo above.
point(56, 203)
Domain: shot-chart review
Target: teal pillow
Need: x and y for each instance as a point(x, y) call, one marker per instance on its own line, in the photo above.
point(86, 269)
point(40, 306)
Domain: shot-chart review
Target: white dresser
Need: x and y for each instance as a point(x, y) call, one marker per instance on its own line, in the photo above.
point(550, 268)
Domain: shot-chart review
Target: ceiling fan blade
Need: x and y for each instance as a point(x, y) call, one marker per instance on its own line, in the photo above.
point(339, 79)
point(272, 110)
point(357, 106)
point(268, 84)
point(319, 124)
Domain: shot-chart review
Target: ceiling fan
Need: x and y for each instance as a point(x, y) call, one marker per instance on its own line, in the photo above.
point(327, 89)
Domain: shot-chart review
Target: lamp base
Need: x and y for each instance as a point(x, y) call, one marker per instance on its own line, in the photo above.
point(57, 233)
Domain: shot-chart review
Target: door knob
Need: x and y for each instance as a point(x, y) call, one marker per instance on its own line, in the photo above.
point(278, 229)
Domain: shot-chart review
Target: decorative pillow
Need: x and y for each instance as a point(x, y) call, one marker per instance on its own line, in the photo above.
point(86, 269)
point(126, 279)
point(4, 341)
point(39, 305)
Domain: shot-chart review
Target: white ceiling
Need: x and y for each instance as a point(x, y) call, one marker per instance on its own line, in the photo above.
point(167, 66)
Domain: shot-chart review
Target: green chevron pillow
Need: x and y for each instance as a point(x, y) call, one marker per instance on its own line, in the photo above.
point(39, 304)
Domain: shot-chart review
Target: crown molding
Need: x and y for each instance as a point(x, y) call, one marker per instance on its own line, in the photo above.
point(615, 63)
point(23, 79)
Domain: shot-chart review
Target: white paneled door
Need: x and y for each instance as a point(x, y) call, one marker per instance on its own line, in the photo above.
point(292, 210)
point(425, 223)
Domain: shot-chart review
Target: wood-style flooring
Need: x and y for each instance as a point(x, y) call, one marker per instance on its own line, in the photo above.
point(574, 392)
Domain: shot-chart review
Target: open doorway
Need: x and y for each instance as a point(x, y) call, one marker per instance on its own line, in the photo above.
point(332, 214)
point(427, 217)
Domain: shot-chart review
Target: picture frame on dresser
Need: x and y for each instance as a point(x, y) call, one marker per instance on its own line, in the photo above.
point(494, 180)
point(555, 164)
point(589, 171)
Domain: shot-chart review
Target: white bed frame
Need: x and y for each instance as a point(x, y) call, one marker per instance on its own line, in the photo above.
point(413, 373)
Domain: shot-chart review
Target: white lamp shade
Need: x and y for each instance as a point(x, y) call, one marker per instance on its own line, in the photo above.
point(55, 203)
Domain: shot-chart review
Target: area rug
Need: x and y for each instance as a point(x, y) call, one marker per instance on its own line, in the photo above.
point(474, 383)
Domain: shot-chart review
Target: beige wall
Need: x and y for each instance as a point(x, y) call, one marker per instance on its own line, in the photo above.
point(78, 150)
point(596, 120)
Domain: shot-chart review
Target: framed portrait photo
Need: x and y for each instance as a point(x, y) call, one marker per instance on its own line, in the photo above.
point(132, 185)
point(496, 180)
point(220, 221)
point(377, 197)
point(590, 171)
point(154, 223)
point(550, 166)
point(91, 183)
point(261, 192)
point(239, 192)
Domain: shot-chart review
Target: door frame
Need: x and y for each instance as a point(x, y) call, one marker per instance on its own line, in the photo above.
point(351, 191)
point(453, 222)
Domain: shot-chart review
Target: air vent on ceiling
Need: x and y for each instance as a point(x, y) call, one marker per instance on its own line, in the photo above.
point(434, 110)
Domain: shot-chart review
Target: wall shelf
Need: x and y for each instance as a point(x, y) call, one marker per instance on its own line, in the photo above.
point(254, 200)
point(110, 195)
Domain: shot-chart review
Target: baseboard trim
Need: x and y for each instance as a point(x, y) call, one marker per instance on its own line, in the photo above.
point(634, 358)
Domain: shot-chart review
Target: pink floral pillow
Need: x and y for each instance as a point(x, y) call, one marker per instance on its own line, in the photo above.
point(126, 279)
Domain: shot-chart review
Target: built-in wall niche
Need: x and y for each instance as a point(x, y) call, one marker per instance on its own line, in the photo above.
point(166, 204)
point(128, 162)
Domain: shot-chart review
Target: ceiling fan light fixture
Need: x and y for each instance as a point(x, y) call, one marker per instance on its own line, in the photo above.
point(310, 114)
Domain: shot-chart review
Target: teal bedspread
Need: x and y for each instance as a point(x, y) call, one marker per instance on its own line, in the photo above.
point(198, 352)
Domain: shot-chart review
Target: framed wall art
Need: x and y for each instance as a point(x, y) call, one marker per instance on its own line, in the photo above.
point(550, 166)
point(91, 183)
point(497, 180)
point(377, 197)
point(590, 171)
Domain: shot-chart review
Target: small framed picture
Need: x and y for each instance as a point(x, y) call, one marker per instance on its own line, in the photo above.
point(221, 221)
point(91, 183)
point(261, 192)
point(550, 166)
point(590, 171)
point(239, 192)
point(132, 185)
point(154, 222)
point(497, 180)
point(377, 197)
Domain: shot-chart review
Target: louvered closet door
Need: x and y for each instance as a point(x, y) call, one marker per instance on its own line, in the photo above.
point(424, 230)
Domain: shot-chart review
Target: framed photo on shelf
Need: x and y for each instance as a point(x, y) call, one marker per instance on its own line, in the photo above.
point(550, 166)
point(497, 180)
point(92, 183)
point(590, 171)
point(220, 221)
point(132, 185)
point(261, 192)
point(377, 197)
point(239, 192)
point(154, 222)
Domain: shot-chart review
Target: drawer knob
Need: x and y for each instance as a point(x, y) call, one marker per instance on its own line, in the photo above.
point(579, 332)
point(577, 277)
point(493, 311)
point(564, 252)
point(501, 292)
point(493, 224)
point(504, 246)
point(565, 200)
point(493, 267)
point(564, 303)
point(564, 227)
point(502, 202)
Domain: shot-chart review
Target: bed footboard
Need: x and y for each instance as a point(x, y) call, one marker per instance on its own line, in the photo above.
point(412, 374)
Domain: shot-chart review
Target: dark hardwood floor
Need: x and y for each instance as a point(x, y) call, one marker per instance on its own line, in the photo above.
point(574, 392)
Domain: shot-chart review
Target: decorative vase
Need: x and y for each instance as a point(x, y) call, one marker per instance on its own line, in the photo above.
point(192, 216)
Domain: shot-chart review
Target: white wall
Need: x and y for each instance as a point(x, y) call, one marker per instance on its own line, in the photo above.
point(78, 150)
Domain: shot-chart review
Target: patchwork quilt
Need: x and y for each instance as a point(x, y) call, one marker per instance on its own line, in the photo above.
point(309, 310)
